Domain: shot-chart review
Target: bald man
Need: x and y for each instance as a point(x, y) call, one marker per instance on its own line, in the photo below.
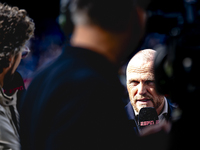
point(141, 88)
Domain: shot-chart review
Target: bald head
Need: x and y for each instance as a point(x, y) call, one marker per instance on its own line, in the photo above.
point(141, 58)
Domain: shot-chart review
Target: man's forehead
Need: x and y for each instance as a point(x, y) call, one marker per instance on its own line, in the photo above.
point(141, 75)
point(141, 71)
point(140, 67)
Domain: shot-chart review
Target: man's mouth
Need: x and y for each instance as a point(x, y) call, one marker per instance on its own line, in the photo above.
point(143, 100)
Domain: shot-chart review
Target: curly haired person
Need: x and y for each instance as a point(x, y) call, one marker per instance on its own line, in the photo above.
point(15, 29)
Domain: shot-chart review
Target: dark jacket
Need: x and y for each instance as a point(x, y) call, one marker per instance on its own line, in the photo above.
point(132, 118)
point(13, 84)
point(75, 103)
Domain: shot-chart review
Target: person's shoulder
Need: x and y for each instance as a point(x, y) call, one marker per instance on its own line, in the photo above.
point(128, 105)
point(17, 75)
point(69, 71)
point(171, 105)
point(75, 67)
point(129, 111)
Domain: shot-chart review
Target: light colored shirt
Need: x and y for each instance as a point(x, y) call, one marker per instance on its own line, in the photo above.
point(165, 111)
point(9, 136)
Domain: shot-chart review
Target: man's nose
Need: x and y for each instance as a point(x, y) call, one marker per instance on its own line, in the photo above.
point(142, 89)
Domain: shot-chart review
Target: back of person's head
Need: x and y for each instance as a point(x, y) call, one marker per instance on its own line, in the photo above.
point(112, 15)
point(15, 29)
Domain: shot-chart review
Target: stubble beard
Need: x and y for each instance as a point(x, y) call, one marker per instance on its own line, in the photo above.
point(133, 101)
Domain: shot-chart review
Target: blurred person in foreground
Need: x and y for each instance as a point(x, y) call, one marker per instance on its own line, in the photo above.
point(15, 29)
point(141, 88)
point(76, 102)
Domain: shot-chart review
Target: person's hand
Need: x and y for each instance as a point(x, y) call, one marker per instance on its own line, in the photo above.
point(155, 137)
point(162, 126)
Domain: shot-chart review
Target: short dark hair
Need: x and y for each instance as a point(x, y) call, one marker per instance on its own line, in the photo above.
point(112, 15)
point(15, 29)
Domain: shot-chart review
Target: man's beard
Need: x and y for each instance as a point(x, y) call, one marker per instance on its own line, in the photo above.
point(134, 100)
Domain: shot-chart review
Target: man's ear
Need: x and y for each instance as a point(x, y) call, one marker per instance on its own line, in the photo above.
point(10, 59)
point(9, 62)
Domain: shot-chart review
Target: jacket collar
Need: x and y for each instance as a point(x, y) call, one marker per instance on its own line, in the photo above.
point(129, 111)
point(7, 100)
point(131, 114)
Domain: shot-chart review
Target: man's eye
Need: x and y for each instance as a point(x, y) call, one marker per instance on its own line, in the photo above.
point(150, 82)
point(134, 82)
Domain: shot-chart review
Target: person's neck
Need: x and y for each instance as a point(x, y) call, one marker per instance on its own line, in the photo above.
point(98, 40)
point(2, 76)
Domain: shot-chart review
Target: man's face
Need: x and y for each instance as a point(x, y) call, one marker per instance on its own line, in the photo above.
point(14, 63)
point(141, 87)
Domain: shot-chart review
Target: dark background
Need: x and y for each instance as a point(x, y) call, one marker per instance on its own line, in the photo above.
point(48, 41)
